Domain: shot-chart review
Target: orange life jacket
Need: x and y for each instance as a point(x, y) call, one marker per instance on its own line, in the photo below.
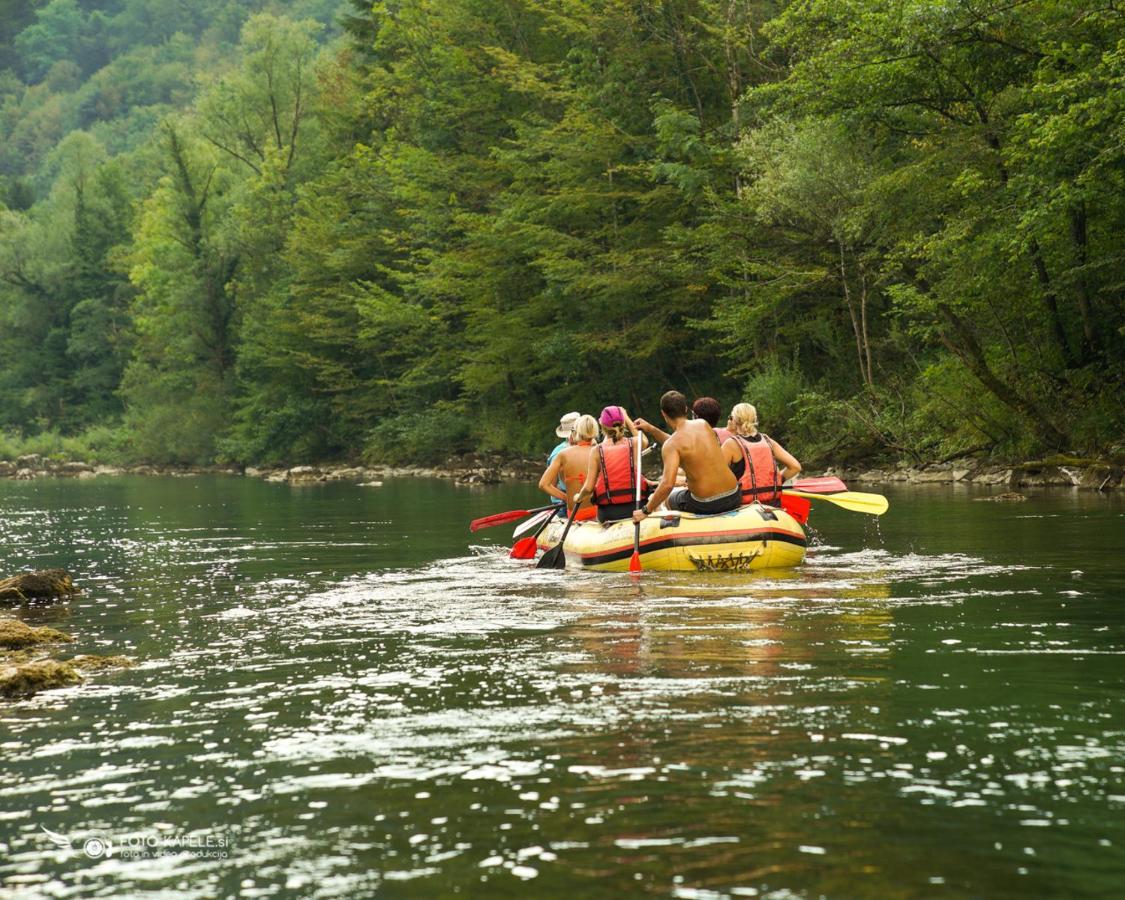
point(761, 478)
point(617, 475)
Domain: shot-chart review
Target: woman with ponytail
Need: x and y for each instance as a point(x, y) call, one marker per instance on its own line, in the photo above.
point(760, 464)
point(611, 471)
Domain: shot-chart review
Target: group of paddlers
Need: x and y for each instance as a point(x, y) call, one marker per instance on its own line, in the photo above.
point(707, 469)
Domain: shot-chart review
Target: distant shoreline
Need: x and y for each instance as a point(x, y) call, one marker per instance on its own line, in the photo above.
point(484, 469)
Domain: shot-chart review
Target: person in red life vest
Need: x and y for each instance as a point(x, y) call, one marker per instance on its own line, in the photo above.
point(707, 409)
point(611, 474)
point(569, 467)
point(759, 463)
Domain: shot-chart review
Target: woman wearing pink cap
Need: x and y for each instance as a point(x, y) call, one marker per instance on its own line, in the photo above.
point(611, 474)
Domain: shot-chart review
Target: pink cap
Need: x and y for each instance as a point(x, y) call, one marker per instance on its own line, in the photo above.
point(612, 415)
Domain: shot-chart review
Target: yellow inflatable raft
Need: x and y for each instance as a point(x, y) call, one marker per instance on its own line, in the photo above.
point(752, 537)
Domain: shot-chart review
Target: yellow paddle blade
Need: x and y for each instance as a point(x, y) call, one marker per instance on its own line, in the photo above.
point(856, 501)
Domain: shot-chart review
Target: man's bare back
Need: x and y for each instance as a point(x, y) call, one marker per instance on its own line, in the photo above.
point(711, 485)
point(701, 458)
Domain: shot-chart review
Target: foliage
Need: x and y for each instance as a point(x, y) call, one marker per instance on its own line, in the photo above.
point(896, 227)
point(104, 444)
point(426, 438)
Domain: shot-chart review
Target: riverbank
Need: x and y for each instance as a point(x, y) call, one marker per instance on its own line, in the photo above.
point(470, 469)
point(1094, 475)
point(496, 468)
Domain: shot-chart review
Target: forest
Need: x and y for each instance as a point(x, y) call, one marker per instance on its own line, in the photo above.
point(255, 232)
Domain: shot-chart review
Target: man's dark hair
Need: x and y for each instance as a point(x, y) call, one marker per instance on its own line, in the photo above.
point(674, 405)
point(707, 409)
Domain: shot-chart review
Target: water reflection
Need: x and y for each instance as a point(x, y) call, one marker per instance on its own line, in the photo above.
point(359, 713)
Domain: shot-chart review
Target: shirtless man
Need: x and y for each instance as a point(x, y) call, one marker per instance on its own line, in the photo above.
point(711, 486)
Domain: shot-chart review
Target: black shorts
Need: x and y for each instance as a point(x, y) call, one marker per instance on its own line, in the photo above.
point(615, 512)
point(683, 500)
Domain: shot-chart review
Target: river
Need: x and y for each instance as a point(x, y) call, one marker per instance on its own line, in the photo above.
point(340, 691)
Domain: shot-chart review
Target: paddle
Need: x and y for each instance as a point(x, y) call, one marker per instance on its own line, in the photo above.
point(826, 484)
point(530, 524)
point(509, 516)
point(635, 561)
point(856, 501)
point(555, 558)
point(797, 507)
point(525, 548)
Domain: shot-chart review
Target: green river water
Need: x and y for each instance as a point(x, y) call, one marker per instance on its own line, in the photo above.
point(343, 692)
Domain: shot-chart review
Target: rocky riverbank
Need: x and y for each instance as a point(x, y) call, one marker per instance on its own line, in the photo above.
point(477, 468)
point(1091, 475)
point(494, 468)
point(26, 662)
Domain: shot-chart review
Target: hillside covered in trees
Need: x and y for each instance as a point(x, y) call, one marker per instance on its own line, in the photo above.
point(283, 232)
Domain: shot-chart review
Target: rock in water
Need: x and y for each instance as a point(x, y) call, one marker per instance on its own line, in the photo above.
point(30, 678)
point(29, 585)
point(100, 663)
point(17, 635)
point(1007, 496)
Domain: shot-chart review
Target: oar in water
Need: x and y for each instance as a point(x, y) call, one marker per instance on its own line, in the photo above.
point(856, 501)
point(555, 558)
point(509, 516)
point(525, 548)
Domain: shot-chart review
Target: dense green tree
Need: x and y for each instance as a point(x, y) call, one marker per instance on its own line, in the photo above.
point(972, 258)
point(64, 305)
point(895, 226)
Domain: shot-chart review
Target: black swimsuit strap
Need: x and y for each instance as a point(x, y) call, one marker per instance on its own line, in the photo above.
point(748, 464)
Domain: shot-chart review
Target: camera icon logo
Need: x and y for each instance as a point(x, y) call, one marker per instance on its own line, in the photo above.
point(98, 847)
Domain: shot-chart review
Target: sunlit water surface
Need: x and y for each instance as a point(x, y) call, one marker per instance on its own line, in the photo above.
point(345, 693)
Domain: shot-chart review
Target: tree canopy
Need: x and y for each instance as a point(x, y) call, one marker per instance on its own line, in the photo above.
point(396, 230)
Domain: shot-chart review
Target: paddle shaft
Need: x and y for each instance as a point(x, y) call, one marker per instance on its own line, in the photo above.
point(635, 562)
point(856, 501)
point(526, 527)
point(509, 516)
point(555, 558)
point(525, 547)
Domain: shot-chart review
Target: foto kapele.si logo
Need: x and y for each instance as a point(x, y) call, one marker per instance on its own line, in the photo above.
point(98, 845)
point(95, 847)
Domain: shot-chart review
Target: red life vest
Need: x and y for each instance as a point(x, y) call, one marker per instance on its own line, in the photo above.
point(617, 475)
point(723, 434)
point(761, 479)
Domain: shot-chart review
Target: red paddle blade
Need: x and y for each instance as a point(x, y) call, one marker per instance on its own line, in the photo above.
point(497, 519)
point(797, 507)
point(524, 548)
point(635, 562)
point(826, 484)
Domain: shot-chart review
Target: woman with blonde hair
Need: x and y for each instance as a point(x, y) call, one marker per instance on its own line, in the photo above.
point(611, 473)
point(759, 463)
point(569, 467)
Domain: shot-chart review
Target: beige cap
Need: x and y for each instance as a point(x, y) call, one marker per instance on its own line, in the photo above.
point(566, 424)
